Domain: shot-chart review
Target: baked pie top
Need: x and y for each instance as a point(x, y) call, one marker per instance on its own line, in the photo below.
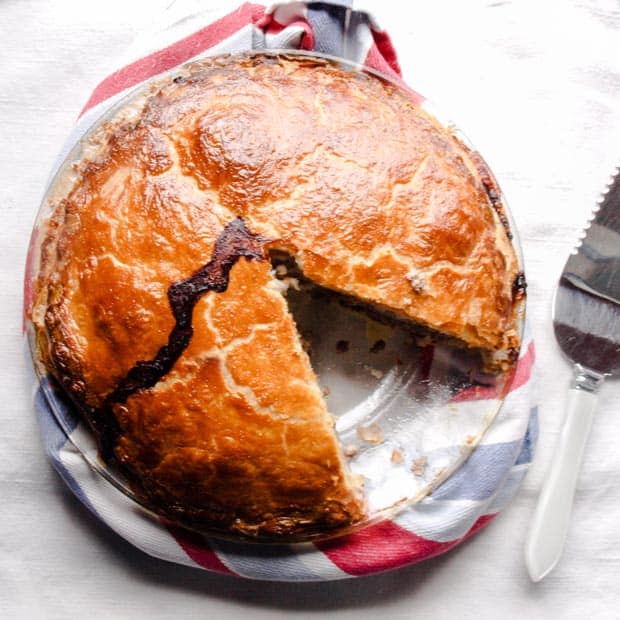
point(156, 304)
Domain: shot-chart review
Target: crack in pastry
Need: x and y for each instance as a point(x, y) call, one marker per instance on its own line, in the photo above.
point(234, 242)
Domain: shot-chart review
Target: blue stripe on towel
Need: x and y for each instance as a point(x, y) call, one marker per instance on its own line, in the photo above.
point(530, 440)
point(328, 23)
point(272, 562)
point(483, 472)
point(54, 437)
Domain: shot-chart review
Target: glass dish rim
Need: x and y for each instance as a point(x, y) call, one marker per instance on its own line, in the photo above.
point(73, 155)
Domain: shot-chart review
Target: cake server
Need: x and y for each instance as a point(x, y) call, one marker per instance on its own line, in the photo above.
point(586, 322)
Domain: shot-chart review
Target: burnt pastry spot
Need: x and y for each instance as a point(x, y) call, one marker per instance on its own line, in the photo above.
point(494, 197)
point(519, 286)
point(492, 189)
point(233, 243)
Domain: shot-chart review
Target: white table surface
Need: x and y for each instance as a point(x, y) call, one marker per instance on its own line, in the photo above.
point(536, 86)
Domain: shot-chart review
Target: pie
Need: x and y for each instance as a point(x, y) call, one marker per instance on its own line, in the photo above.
point(159, 308)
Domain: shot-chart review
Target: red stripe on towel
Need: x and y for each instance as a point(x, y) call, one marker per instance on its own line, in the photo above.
point(386, 546)
point(175, 54)
point(522, 375)
point(197, 549)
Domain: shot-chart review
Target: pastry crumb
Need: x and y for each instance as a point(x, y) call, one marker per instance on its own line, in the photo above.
point(423, 340)
point(371, 433)
point(470, 440)
point(326, 391)
point(306, 343)
point(282, 282)
point(350, 450)
point(417, 281)
point(397, 456)
point(418, 467)
point(293, 283)
point(375, 372)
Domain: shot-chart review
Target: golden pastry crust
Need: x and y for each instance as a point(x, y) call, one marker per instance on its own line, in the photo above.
point(369, 194)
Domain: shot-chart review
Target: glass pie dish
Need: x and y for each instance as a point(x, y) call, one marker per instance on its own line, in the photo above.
point(409, 406)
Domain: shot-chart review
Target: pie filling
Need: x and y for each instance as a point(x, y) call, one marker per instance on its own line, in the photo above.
point(289, 275)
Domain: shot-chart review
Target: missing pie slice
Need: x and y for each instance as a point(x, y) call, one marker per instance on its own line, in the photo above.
point(158, 311)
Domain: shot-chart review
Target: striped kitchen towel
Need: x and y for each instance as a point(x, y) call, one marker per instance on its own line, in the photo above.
point(468, 500)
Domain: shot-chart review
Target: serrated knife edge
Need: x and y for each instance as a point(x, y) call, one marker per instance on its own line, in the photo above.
point(594, 265)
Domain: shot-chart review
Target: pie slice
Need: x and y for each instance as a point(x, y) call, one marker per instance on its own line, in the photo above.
point(158, 310)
